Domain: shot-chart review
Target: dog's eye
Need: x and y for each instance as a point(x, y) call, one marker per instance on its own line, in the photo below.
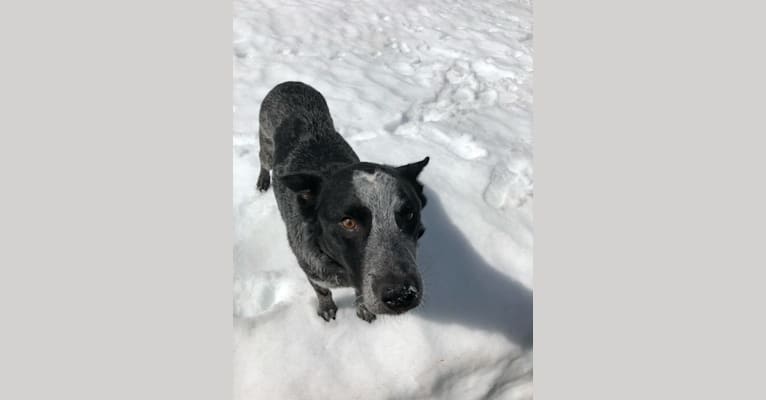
point(305, 195)
point(409, 216)
point(349, 224)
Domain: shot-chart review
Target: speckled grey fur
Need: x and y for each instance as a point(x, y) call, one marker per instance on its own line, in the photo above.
point(388, 251)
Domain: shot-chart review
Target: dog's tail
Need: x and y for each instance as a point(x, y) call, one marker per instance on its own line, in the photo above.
point(266, 156)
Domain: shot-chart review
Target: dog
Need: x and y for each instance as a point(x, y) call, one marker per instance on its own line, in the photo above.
point(349, 223)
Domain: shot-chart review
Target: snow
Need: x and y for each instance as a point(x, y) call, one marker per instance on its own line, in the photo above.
point(447, 79)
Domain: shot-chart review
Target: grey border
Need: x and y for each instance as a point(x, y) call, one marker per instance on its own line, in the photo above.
point(649, 200)
point(115, 142)
point(116, 227)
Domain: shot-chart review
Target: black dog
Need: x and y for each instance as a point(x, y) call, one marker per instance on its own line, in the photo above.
point(349, 223)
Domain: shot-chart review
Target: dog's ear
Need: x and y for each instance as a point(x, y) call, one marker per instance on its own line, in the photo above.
point(411, 173)
point(307, 187)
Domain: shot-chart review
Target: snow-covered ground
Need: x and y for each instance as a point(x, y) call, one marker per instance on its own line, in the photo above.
point(451, 79)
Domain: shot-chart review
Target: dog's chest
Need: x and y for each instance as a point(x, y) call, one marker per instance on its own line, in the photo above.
point(331, 276)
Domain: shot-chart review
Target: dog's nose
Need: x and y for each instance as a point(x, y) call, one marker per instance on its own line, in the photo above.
point(400, 298)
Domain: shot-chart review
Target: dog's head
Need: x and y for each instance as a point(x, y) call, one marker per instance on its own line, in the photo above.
point(368, 217)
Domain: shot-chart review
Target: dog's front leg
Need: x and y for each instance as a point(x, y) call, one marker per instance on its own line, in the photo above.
point(323, 273)
point(362, 311)
point(326, 307)
point(320, 273)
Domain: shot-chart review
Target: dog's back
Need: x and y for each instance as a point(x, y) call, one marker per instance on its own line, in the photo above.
point(297, 133)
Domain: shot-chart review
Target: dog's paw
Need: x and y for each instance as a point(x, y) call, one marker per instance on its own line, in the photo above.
point(264, 180)
point(363, 313)
point(327, 310)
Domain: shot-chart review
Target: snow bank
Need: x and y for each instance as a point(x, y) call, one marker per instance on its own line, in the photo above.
point(447, 79)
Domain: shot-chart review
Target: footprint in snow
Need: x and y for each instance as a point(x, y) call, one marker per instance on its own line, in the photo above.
point(466, 148)
point(461, 145)
point(261, 293)
point(507, 186)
